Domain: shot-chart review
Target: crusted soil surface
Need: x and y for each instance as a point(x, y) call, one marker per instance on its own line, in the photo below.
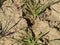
point(11, 16)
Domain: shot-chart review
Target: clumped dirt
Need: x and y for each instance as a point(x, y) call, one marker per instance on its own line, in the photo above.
point(11, 12)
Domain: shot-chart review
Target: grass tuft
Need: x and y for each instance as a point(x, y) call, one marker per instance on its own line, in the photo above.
point(34, 8)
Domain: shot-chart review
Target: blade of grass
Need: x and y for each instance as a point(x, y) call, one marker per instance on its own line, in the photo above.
point(40, 36)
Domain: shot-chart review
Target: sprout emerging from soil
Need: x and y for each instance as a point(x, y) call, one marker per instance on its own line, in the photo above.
point(35, 8)
point(31, 39)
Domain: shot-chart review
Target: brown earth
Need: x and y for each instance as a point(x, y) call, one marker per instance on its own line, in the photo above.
point(11, 12)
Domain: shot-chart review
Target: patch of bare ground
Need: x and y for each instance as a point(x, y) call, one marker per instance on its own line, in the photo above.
point(13, 20)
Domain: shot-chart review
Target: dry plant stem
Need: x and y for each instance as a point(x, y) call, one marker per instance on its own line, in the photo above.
point(13, 25)
point(5, 30)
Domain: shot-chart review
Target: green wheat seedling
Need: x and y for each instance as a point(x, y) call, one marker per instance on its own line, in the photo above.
point(31, 40)
point(34, 8)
